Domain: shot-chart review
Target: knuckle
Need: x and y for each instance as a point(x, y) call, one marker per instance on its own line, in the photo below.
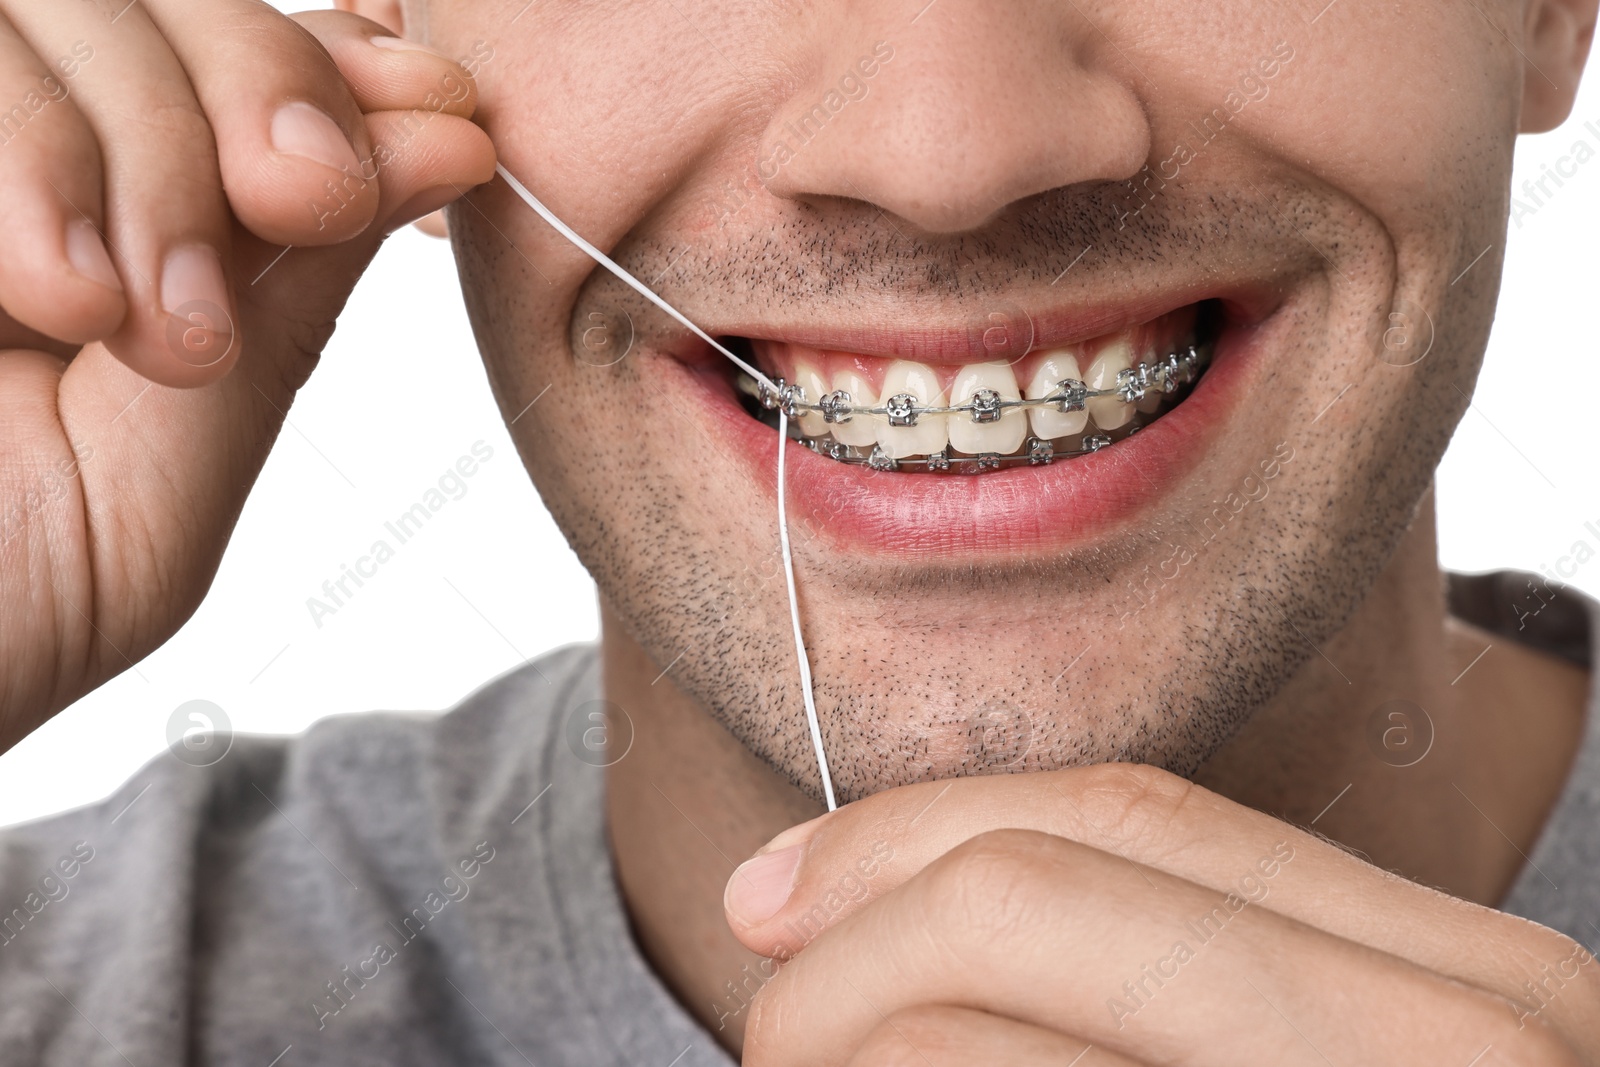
point(985, 891)
point(53, 135)
point(1518, 1038)
point(904, 1039)
point(1560, 979)
point(1537, 1046)
point(1585, 996)
point(1132, 803)
point(765, 1033)
point(323, 23)
point(281, 47)
point(175, 122)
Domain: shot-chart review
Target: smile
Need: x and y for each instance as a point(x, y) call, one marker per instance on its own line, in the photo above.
point(1029, 470)
point(912, 417)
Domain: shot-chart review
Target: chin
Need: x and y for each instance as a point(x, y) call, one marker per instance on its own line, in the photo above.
point(1033, 529)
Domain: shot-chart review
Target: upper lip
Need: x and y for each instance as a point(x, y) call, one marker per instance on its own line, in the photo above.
point(960, 338)
point(1015, 511)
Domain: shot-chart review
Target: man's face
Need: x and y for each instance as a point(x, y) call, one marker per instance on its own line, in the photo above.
point(843, 186)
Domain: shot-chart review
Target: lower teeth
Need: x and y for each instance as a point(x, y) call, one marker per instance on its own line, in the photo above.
point(1035, 453)
point(1171, 376)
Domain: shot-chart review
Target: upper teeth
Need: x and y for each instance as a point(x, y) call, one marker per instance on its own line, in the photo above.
point(1052, 373)
point(992, 426)
point(1112, 411)
point(912, 391)
point(985, 416)
point(857, 398)
point(1058, 403)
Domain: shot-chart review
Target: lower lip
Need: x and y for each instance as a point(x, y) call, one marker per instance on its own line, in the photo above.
point(1017, 511)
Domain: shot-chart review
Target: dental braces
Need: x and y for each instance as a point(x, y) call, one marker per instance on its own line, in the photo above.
point(1036, 452)
point(1132, 385)
point(1166, 375)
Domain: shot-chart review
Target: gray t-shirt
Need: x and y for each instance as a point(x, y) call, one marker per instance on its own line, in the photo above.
point(436, 889)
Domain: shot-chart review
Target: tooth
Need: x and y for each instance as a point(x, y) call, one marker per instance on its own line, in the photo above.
point(1002, 437)
point(1048, 422)
point(861, 430)
point(811, 380)
point(1153, 395)
point(1109, 412)
point(929, 434)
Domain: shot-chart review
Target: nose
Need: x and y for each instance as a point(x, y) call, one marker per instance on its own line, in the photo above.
point(971, 107)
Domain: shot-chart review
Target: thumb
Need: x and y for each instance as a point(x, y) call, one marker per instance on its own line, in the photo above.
point(173, 465)
point(422, 161)
point(805, 879)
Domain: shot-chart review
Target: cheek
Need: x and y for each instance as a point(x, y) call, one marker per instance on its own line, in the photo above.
point(1453, 76)
point(685, 551)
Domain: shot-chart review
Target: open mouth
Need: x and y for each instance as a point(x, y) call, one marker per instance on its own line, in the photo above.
point(1052, 404)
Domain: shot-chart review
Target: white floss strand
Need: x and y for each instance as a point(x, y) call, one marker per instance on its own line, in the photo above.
point(794, 616)
point(605, 261)
point(783, 437)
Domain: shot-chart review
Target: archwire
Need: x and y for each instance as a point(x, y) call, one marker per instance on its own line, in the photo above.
point(783, 439)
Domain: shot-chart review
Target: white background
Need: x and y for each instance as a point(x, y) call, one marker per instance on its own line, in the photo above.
point(489, 581)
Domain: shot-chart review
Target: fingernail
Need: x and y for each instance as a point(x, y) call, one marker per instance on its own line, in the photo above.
point(88, 256)
point(192, 273)
point(299, 129)
point(400, 44)
point(761, 886)
point(424, 203)
point(194, 293)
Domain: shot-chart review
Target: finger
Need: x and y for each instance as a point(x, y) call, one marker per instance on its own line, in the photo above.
point(14, 335)
point(171, 467)
point(293, 151)
point(388, 73)
point(1150, 818)
point(1062, 936)
point(425, 171)
point(428, 155)
point(939, 1036)
point(166, 219)
point(56, 276)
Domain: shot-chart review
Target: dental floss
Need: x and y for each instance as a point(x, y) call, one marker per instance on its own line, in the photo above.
point(794, 616)
point(783, 439)
point(605, 261)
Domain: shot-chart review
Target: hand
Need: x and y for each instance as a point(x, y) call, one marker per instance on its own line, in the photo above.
point(158, 158)
point(1020, 919)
